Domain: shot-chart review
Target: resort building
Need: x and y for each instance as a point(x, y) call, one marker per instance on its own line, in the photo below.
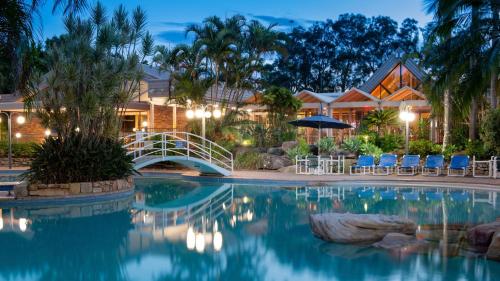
point(153, 107)
point(397, 81)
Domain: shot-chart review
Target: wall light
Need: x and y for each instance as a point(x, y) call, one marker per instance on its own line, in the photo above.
point(48, 133)
point(20, 120)
point(18, 135)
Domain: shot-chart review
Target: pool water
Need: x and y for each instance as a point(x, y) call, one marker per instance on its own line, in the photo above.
point(173, 229)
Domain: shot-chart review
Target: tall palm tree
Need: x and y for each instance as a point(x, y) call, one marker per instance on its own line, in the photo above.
point(470, 40)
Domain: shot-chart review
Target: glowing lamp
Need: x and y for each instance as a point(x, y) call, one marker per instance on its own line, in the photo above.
point(190, 114)
point(190, 239)
point(217, 113)
point(20, 120)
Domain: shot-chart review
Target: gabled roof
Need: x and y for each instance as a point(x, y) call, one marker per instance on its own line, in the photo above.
point(402, 93)
point(384, 70)
point(355, 94)
point(319, 97)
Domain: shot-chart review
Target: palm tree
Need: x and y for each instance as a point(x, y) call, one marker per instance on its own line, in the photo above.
point(470, 40)
point(381, 118)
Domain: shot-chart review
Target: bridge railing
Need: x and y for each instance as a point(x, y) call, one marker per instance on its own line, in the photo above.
point(143, 145)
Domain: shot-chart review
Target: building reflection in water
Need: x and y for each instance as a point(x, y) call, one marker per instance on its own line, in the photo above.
point(9, 222)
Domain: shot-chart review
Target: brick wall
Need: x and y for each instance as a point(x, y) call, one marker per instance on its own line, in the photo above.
point(31, 130)
point(163, 116)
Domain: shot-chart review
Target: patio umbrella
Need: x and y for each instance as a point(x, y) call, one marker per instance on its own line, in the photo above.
point(320, 122)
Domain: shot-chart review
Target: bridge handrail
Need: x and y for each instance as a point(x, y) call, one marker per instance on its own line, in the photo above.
point(144, 144)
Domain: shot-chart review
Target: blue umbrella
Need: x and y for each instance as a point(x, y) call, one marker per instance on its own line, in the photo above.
point(320, 122)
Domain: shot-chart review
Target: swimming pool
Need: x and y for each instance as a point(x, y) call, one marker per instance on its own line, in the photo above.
point(174, 229)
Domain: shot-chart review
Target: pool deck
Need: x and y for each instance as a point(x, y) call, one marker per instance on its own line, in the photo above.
point(265, 177)
point(275, 176)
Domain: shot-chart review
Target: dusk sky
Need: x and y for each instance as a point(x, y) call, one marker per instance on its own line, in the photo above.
point(168, 19)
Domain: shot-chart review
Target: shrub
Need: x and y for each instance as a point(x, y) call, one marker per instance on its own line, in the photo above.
point(475, 148)
point(352, 145)
point(490, 132)
point(248, 160)
point(371, 149)
point(301, 150)
point(19, 150)
point(327, 145)
point(79, 158)
point(424, 147)
point(390, 142)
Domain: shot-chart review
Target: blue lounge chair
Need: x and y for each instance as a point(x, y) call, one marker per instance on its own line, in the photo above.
point(433, 165)
point(458, 164)
point(366, 193)
point(434, 195)
point(411, 196)
point(386, 165)
point(364, 165)
point(409, 165)
point(459, 196)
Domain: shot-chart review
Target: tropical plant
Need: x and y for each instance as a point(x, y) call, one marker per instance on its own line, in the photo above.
point(490, 132)
point(327, 145)
point(476, 148)
point(381, 119)
point(282, 107)
point(370, 149)
point(389, 142)
point(352, 145)
point(94, 71)
point(19, 150)
point(79, 158)
point(424, 147)
point(300, 150)
point(249, 160)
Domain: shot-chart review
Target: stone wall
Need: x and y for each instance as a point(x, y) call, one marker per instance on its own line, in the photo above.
point(73, 189)
point(16, 162)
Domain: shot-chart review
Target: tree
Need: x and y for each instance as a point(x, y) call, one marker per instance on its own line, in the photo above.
point(93, 72)
point(470, 42)
point(282, 107)
point(336, 55)
point(19, 51)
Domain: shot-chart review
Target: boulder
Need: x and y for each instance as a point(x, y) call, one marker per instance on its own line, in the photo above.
point(286, 145)
point(275, 151)
point(481, 235)
point(398, 240)
point(493, 252)
point(288, 169)
point(275, 162)
point(356, 228)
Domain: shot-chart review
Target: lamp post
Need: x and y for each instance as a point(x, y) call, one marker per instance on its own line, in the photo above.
point(203, 112)
point(20, 120)
point(407, 116)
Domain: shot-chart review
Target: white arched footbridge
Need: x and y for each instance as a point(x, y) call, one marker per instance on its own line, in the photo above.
point(184, 148)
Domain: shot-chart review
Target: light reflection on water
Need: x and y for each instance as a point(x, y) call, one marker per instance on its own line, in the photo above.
point(179, 230)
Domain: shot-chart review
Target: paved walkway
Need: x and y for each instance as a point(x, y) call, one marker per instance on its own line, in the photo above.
point(391, 179)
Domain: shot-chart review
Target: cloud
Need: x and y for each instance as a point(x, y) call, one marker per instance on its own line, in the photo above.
point(174, 37)
point(284, 22)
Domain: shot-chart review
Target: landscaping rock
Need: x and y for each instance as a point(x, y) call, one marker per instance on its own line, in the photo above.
point(355, 228)
point(493, 252)
point(275, 151)
point(481, 235)
point(286, 145)
point(21, 190)
point(86, 187)
point(275, 162)
point(288, 169)
point(74, 188)
point(398, 240)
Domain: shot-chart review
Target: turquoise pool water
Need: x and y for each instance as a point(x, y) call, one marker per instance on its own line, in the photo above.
point(172, 229)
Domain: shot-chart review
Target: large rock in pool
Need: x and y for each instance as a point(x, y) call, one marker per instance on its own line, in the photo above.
point(481, 235)
point(355, 228)
point(398, 240)
point(493, 252)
